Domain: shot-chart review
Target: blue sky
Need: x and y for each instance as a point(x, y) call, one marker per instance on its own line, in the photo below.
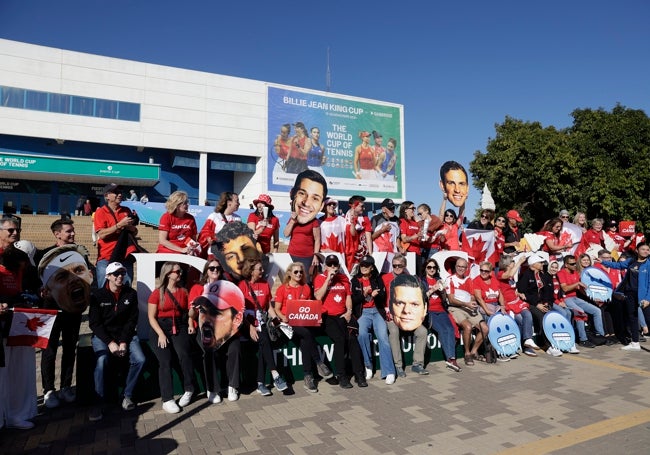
point(457, 67)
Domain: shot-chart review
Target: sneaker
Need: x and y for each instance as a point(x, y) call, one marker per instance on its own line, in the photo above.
point(633, 346)
point(453, 365)
point(587, 344)
point(529, 343)
point(530, 352)
point(310, 386)
point(280, 384)
point(20, 424)
point(609, 341)
point(400, 372)
point(503, 358)
point(368, 373)
point(95, 414)
point(68, 395)
point(171, 407)
point(213, 397)
point(128, 404)
point(324, 371)
point(419, 369)
point(390, 379)
point(555, 352)
point(51, 399)
point(344, 382)
point(233, 394)
point(185, 399)
point(361, 381)
point(574, 350)
point(263, 390)
point(513, 356)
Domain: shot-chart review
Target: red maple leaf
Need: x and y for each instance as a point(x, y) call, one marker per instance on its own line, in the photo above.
point(34, 323)
point(474, 247)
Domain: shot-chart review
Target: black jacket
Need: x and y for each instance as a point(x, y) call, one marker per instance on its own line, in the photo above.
point(112, 320)
point(358, 299)
point(527, 285)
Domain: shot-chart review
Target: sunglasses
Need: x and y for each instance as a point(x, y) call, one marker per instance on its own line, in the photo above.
point(332, 264)
point(432, 267)
point(180, 272)
point(298, 272)
point(484, 271)
point(119, 273)
point(501, 220)
point(398, 266)
point(11, 231)
point(571, 263)
point(212, 268)
point(484, 217)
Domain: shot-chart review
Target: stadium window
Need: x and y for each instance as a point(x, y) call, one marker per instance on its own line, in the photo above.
point(129, 111)
point(82, 105)
point(13, 97)
point(106, 109)
point(59, 103)
point(36, 100)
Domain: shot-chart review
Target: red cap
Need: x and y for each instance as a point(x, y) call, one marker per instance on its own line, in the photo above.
point(265, 199)
point(224, 294)
point(514, 215)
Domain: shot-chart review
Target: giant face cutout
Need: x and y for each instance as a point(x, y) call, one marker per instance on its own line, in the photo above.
point(66, 279)
point(221, 312)
point(454, 183)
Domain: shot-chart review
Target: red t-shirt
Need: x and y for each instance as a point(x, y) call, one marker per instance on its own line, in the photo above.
point(265, 237)
point(489, 290)
point(568, 278)
point(409, 228)
point(195, 291)
point(262, 293)
point(105, 219)
point(365, 282)
point(435, 302)
point(169, 309)
point(508, 287)
point(286, 292)
point(179, 230)
point(336, 296)
point(301, 243)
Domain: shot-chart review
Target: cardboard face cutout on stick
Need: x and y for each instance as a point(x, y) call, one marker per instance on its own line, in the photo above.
point(66, 278)
point(408, 302)
point(454, 183)
point(235, 245)
point(221, 312)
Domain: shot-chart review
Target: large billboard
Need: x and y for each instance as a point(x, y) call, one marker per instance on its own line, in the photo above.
point(356, 145)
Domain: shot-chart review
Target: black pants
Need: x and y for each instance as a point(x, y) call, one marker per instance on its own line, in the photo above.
point(306, 341)
point(229, 354)
point(337, 329)
point(538, 324)
point(180, 343)
point(66, 325)
point(265, 359)
point(632, 314)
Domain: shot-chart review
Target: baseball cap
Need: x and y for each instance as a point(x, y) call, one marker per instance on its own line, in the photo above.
point(388, 203)
point(28, 248)
point(112, 188)
point(367, 260)
point(331, 260)
point(224, 294)
point(114, 267)
point(535, 259)
point(329, 201)
point(515, 215)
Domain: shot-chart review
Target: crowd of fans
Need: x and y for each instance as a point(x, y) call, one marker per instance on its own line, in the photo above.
point(231, 300)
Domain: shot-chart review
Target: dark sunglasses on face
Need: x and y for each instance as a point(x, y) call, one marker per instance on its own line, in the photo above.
point(571, 263)
point(431, 267)
point(11, 231)
point(398, 266)
point(212, 268)
point(484, 271)
point(332, 264)
point(501, 220)
point(119, 273)
point(297, 272)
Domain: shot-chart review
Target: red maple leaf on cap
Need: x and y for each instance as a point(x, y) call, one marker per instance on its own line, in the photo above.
point(34, 323)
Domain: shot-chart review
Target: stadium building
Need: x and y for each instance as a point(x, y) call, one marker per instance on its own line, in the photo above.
point(71, 122)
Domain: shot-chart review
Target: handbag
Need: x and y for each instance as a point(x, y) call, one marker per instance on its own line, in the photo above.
point(268, 324)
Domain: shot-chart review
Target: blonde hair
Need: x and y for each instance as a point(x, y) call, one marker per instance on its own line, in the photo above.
point(290, 269)
point(174, 200)
point(165, 270)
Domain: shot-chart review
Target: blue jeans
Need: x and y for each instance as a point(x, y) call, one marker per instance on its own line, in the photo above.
point(590, 309)
point(525, 322)
point(136, 361)
point(370, 318)
point(100, 270)
point(442, 325)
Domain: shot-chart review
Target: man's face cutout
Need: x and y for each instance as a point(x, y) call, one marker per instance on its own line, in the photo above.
point(235, 253)
point(69, 287)
point(308, 200)
point(408, 308)
point(455, 186)
point(219, 322)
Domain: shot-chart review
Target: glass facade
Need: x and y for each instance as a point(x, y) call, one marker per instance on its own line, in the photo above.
point(20, 98)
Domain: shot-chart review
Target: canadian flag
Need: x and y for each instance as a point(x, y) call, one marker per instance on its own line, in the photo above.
point(479, 245)
point(31, 327)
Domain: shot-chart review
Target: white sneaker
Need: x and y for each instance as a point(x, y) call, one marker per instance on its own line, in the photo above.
point(68, 395)
point(171, 407)
point(233, 394)
point(214, 398)
point(555, 352)
point(529, 343)
point(51, 399)
point(368, 373)
point(185, 399)
point(390, 379)
point(633, 346)
point(574, 350)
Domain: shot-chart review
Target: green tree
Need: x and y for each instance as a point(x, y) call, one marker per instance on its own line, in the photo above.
point(598, 165)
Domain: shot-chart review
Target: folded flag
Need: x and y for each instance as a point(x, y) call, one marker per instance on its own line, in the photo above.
point(31, 327)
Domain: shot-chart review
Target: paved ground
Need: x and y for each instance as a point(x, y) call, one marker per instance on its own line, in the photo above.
point(592, 403)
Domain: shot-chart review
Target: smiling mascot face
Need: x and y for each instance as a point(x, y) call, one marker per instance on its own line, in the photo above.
point(504, 334)
point(559, 331)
